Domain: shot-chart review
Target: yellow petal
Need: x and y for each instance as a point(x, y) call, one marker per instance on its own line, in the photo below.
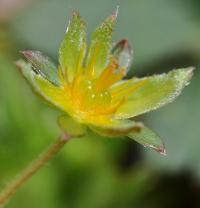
point(98, 54)
point(72, 49)
point(150, 93)
point(117, 128)
point(57, 96)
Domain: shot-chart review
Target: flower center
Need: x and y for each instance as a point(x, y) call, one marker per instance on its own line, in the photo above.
point(91, 95)
point(88, 98)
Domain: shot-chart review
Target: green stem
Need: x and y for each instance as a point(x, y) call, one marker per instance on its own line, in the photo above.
point(31, 169)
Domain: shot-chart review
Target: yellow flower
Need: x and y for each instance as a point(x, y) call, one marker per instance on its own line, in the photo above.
point(88, 85)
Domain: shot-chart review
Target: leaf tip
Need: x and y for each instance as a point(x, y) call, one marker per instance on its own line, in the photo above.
point(75, 13)
point(27, 54)
point(124, 43)
point(115, 13)
point(185, 75)
point(160, 149)
point(76, 16)
point(190, 72)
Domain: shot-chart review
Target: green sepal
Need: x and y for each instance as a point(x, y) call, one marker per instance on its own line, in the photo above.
point(71, 127)
point(72, 48)
point(134, 130)
point(42, 65)
point(147, 138)
point(118, 128)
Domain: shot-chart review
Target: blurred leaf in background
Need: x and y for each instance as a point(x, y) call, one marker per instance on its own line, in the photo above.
point(103, 172)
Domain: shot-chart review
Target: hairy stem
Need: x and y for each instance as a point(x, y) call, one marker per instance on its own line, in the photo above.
point(31, 169)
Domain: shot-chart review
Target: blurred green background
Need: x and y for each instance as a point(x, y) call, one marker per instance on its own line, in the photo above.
point(98, 172)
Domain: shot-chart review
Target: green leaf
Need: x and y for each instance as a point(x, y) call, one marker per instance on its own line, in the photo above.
point(123, 53)
point(42, 65)
point(72, 49)
point(117, 128)
point(99, 50)
point(147, 138)
point(150, 93)
point(70, 126)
